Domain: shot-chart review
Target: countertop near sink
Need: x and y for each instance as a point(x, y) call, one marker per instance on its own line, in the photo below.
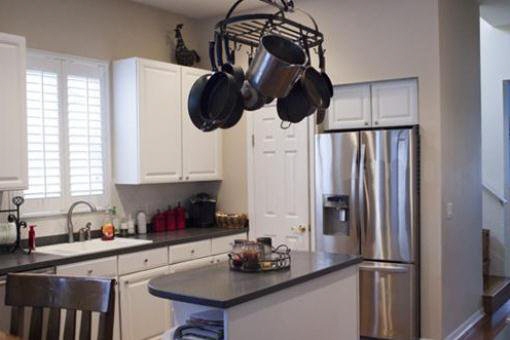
point(20, 262)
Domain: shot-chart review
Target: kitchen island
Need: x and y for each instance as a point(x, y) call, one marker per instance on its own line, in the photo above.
point(317, 298)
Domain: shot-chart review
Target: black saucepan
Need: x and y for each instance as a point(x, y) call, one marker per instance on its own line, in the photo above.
point(316, 88)
point(296, 106)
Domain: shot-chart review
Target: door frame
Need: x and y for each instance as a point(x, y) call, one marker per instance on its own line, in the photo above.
point(311, 129)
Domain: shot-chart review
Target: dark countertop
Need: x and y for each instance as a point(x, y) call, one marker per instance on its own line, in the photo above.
point(20, 262)
point(218, 286)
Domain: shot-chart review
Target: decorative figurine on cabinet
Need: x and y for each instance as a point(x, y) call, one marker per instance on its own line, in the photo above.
point(183, 55)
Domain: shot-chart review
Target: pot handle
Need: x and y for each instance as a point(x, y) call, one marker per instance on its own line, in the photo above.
point(214, 67)
point(219, 50)
point(322, 59)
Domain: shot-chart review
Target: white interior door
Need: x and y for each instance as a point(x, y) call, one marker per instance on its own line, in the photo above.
point(280, 195)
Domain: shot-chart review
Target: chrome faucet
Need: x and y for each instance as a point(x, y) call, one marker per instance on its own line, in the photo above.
point(70, 226)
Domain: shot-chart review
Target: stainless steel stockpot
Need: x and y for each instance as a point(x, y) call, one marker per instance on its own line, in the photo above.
point(277, 64)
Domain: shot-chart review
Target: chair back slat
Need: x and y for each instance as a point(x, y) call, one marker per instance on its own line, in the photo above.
point(17, 321)
point(53, 324)
point(40, 291)
point(85, 327)
point(36, 322)
point(70, 325)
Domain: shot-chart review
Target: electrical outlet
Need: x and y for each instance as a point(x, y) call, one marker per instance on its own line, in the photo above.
point(449, 210)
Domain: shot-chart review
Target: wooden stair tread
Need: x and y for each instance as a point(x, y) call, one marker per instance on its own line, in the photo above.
point(496, 292)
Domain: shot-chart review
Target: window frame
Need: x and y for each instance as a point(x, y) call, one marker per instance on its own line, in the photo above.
point(60, 64)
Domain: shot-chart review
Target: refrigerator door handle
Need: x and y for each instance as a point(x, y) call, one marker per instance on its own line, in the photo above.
point(361, 193)
point(386, 268)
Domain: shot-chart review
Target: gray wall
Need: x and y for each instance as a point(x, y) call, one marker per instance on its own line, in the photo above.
point(461, 160)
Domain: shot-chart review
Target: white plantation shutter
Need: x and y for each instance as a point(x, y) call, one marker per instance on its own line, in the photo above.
point(67, 129)
point(85, 136)
point(43, 135)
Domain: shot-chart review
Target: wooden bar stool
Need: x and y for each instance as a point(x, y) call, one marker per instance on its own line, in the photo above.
point(57, 293)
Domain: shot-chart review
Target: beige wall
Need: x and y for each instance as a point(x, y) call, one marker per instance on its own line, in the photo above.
point(108, 30)
point(461, 160)
point(373, 40)
point(104, 29)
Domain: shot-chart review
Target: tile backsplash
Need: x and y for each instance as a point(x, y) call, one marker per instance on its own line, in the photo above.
point(129, 199)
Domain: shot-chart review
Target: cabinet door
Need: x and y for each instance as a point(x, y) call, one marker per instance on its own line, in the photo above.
point(350, 107)
point(395, 103)
point(13, 129)
point(160, 122)
point(202, 151)
point(143, 316)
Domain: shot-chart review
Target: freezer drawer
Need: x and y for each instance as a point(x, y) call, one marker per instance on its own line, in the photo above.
point(388, 303)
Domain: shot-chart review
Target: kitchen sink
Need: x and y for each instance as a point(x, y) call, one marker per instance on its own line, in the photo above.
point(88, 247)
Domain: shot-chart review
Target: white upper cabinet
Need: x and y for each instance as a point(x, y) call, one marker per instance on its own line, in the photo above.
point(160, 122)
point(202, 151)
point(350, 107)
point(13, 124)
point(395, 103)
point(379, 104)
point(154, 140)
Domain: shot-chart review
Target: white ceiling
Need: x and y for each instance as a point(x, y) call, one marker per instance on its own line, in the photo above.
point(199, 9)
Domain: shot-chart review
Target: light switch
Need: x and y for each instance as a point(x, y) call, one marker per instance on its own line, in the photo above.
point(449, 210)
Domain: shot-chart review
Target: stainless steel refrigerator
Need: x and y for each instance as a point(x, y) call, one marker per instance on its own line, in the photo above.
point(367, 203)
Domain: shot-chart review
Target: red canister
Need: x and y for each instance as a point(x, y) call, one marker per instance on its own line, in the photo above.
point(170, 219)
point(180, 216)
point(159, 222)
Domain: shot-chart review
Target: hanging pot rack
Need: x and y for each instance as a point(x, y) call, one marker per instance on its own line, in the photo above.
point(248, 29)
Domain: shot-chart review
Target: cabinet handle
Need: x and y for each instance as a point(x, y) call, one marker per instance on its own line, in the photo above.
point(146, 261)
point(180, 178)
point(376, 122)
point(187, 177)
point(193, 251)
point(90, 271)
point(366, 123)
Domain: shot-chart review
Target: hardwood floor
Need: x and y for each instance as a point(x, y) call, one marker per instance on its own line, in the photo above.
point(495, 326)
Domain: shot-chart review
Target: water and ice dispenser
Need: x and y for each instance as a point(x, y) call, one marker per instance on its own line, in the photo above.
point(336, 214)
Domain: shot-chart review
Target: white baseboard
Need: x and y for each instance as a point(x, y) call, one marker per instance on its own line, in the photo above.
point(466, 325)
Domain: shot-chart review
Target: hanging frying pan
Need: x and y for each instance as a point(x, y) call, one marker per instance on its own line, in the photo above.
point(220, 93)
point(195, 97)
point(322, 67)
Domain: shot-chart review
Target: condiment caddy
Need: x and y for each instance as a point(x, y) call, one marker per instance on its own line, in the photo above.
point(258, 256)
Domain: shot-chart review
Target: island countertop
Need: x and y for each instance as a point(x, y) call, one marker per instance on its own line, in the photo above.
point(218, 286)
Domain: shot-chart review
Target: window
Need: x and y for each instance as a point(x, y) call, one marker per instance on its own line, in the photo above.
point(67, 132)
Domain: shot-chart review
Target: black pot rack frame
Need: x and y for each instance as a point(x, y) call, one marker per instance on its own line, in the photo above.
point(14, 216)
point(248, 29)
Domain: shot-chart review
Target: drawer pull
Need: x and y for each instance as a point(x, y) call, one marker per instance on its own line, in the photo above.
point(146, 261)
point(90, 271)
point(193, 251)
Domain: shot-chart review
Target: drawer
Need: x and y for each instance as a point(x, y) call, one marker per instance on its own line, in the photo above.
point(224, 244)
point(189, 251)
point(189, 265)
point(143, 260)
point(106, 267)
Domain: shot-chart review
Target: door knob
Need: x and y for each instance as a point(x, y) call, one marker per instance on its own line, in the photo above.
point(301, 229)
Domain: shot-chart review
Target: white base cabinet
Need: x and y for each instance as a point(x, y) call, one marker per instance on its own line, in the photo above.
point(13, 121)
point(144, 316)
point(379, 104)
point(153, 137)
